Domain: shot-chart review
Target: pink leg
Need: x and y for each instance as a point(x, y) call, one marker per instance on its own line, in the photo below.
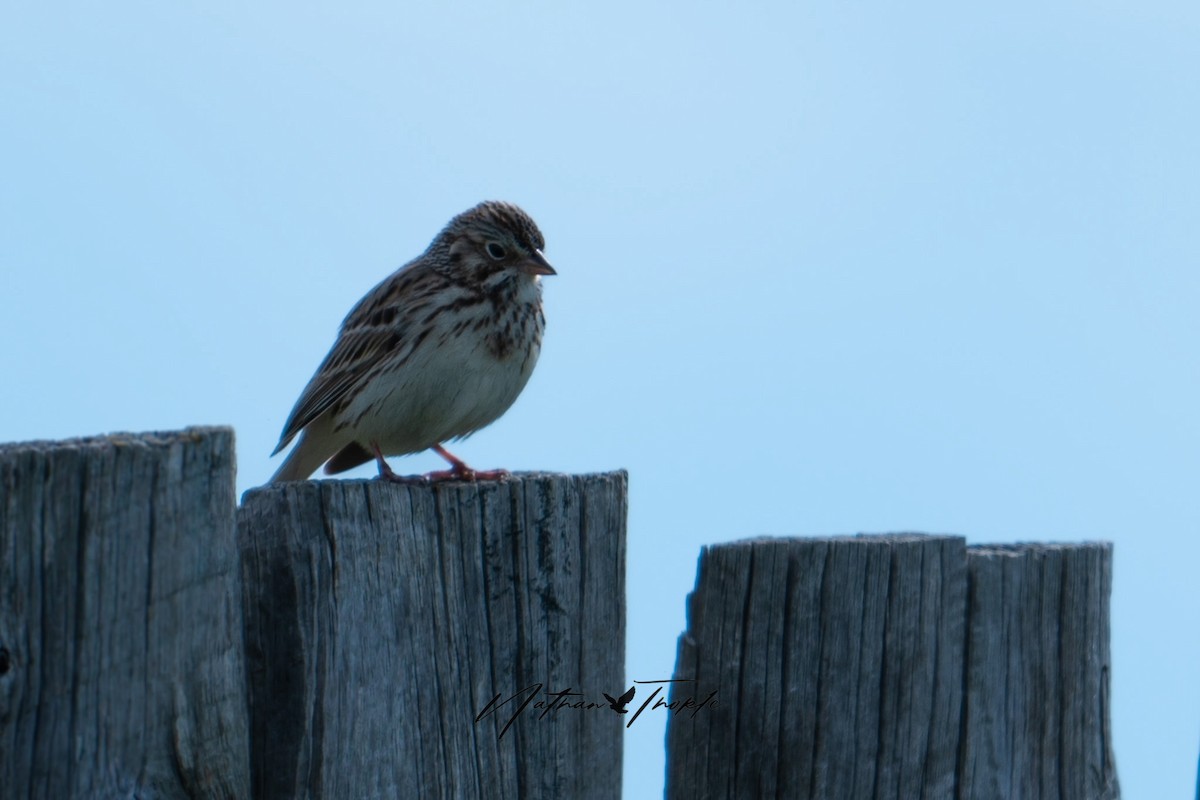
point(385, 472)
point(460, 471)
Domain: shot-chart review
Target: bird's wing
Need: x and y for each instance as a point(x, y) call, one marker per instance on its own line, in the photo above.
point(380, 323)
point(609, 698)
point(625, 698)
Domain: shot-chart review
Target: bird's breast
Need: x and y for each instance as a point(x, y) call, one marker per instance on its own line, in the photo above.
point(468, 370)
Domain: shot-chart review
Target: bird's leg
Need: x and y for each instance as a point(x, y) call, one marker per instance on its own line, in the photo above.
point(385, 472)
point(460, 471)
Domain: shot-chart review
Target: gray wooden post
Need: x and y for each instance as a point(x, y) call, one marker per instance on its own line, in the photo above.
point(898, 667)
point(1036, 716)
point(383, 619)
point(121, 670)
point(837, 664)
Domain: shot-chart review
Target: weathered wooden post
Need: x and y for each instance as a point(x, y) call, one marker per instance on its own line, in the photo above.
point(456, 640)
point(837, 664)
point(395, 632)
point(1036, 713)
point(121, 670)
point(896, 666)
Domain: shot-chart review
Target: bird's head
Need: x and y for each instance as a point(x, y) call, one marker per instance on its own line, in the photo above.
point(493, 241)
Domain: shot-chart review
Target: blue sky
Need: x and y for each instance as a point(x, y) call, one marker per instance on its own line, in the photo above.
point(823, 268)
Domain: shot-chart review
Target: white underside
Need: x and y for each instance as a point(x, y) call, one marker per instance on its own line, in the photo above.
point(441, 392)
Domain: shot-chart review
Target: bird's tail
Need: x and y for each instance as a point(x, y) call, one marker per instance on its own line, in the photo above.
point(303, 461)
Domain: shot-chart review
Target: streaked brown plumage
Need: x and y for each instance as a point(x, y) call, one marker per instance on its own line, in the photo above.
point(438, 350)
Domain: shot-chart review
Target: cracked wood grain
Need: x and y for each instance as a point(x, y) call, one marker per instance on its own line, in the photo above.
point(121, 669)
point(383, 618)
point(902, 666)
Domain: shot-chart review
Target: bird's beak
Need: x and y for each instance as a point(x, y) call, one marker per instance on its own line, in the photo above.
point(537, 264)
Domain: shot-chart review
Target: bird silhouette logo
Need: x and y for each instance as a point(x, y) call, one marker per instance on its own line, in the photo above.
point(618, 705)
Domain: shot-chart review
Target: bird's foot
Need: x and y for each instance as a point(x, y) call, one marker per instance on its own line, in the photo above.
point(493, 475)
point(406, 480)
point(459, 471)
point(387, 474)
point(465, 473)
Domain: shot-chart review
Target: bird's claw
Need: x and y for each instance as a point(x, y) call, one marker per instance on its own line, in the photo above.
point(458, 471)
point(441, 475)
point(465, 473)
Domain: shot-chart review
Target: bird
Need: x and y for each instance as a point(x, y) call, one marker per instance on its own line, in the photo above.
point(439, 349)
point(618, 703)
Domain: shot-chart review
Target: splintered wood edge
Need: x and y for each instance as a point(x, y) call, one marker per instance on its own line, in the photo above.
point(619, 476)
point(195, 433)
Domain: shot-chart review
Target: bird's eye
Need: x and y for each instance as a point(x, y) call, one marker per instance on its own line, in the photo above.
point(496, 250)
